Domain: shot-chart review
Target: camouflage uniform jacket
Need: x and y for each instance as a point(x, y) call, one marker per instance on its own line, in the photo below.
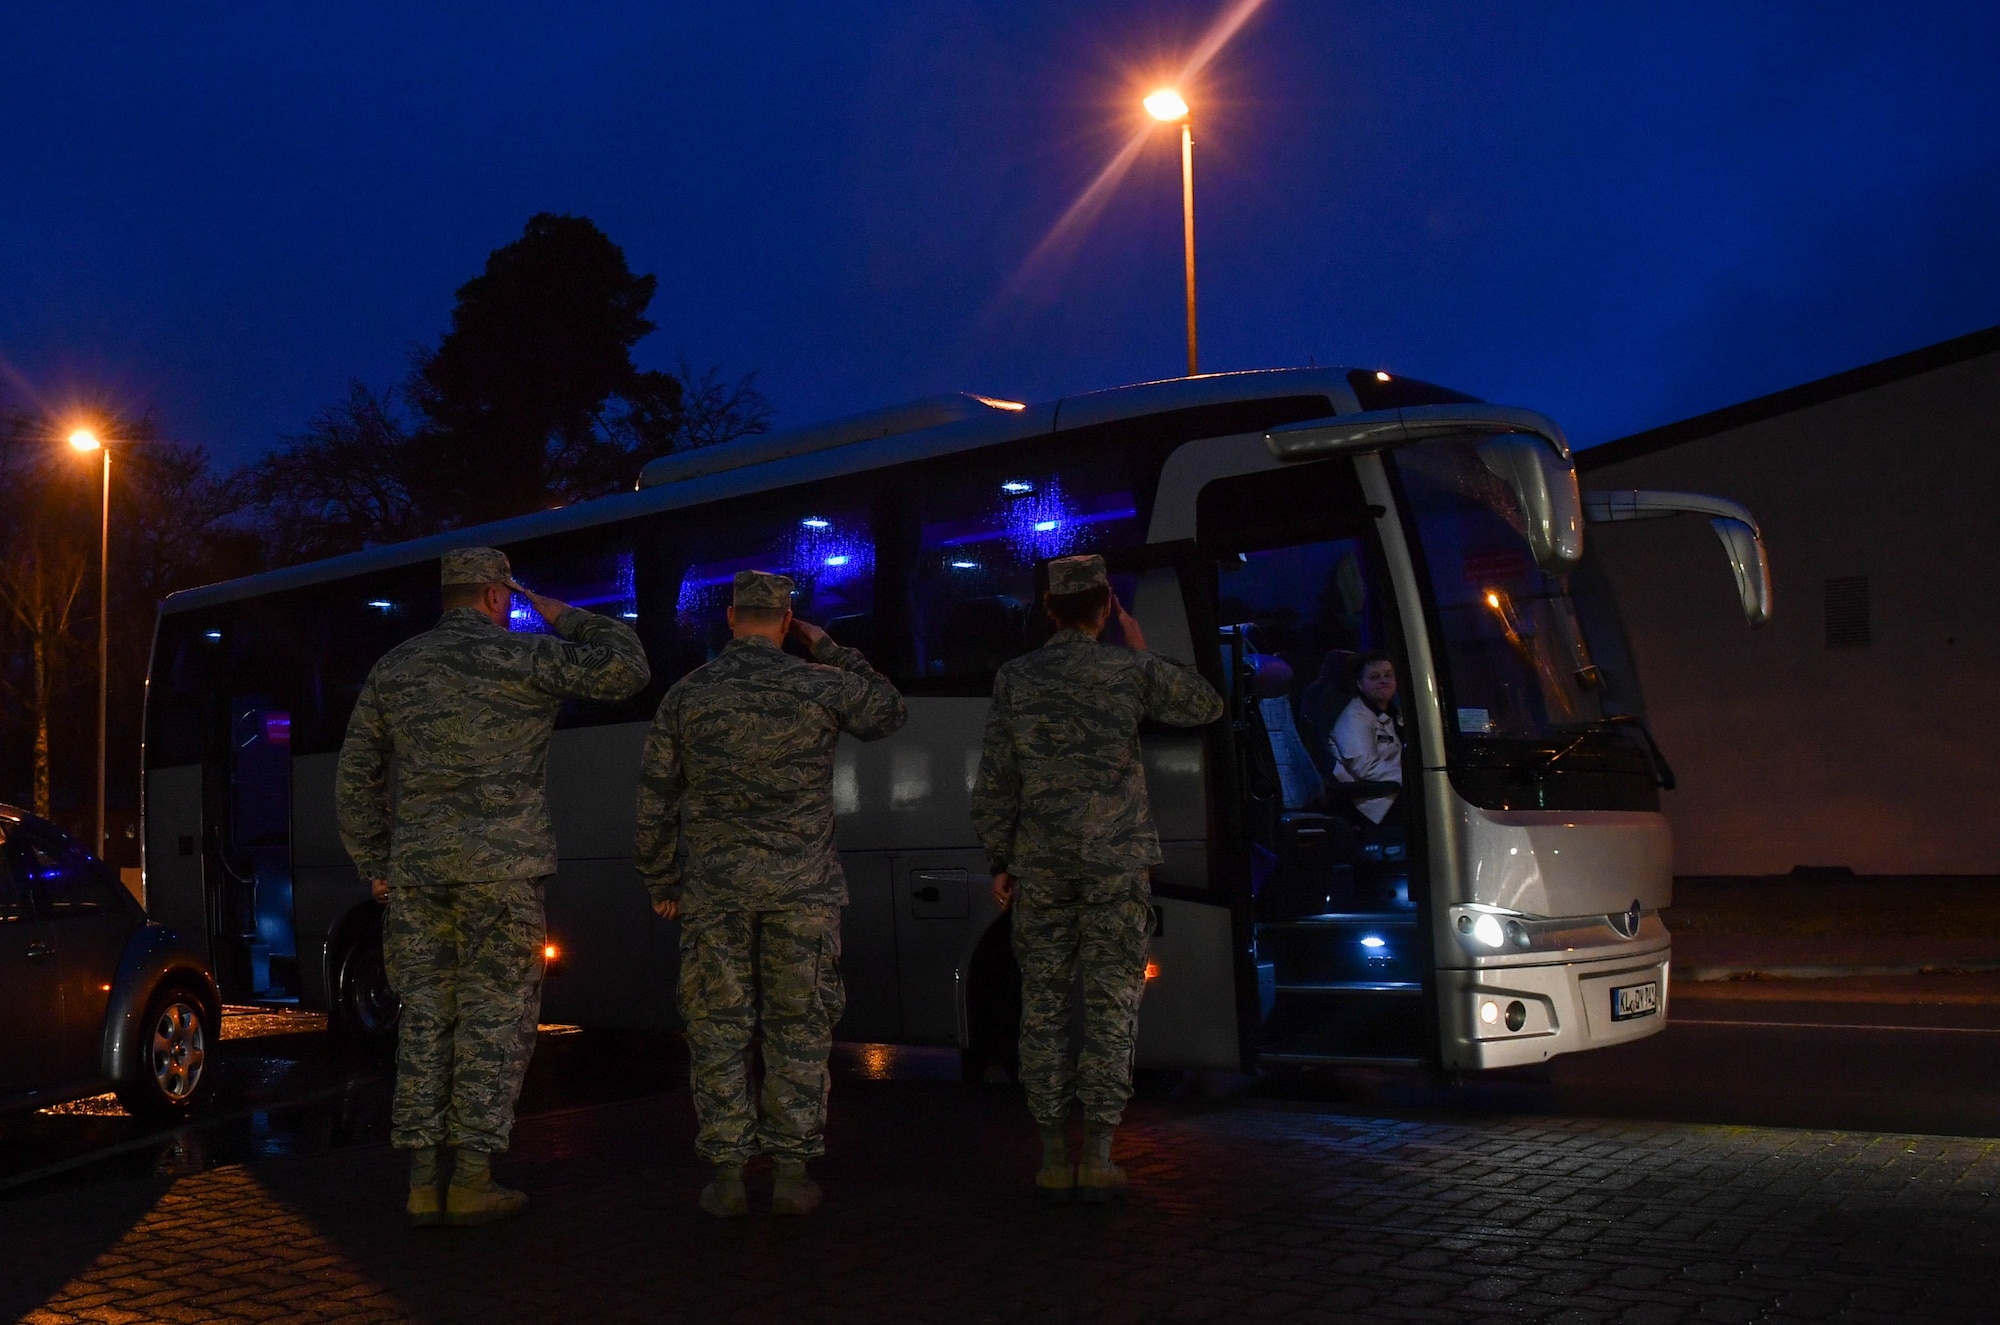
point(743, 747)
point(1061, 787)
point(443, 775)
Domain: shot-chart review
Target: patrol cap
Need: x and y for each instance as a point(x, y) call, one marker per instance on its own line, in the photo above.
point(1068, 575)
point(476, 565)
point(758, 588)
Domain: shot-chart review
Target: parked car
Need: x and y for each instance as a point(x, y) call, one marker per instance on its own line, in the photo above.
point(93, 994)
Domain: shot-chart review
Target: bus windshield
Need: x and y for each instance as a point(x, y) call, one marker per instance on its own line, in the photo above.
point(1533, 718)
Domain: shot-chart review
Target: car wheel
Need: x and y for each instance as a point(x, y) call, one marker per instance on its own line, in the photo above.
point(171, 1074)
point(365, 1010)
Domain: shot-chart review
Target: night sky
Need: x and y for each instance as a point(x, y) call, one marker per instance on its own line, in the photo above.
point(223, 213)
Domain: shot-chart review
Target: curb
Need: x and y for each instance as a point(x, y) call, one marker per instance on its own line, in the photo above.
point(1715, 974)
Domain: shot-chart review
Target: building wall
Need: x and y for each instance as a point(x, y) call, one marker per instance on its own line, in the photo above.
point(1883, 758)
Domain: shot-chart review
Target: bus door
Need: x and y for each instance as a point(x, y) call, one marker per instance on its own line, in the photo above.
point(256, 953)
point(1336, 940)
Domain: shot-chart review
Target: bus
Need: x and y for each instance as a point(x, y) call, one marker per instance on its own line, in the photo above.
point(1267, 528)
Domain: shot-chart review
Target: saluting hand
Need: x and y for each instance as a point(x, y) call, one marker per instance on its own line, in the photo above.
point(379, 889)
point(807, 631)
point(549, 608)
point(1003, 890)
point(1128, 626)
point(667, 910)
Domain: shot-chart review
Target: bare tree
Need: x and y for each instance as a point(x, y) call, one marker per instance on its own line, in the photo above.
point(45, 561)
point(714, 411)
point(342, 484)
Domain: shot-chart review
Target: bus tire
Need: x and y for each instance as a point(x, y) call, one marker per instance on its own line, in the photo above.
point(991, 1055)
point(174, 1061)
point(363, 1010)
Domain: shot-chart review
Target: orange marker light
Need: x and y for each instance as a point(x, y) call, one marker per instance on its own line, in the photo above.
point(550, 952)
point(1152, 970)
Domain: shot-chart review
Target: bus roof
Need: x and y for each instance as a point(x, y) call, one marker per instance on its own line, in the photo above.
point(917, 430)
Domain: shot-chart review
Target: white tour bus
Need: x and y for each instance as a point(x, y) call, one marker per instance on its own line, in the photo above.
point(1265, 527)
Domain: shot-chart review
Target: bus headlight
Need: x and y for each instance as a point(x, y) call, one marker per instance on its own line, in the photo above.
point(1487, 930)
point(1489, 1011)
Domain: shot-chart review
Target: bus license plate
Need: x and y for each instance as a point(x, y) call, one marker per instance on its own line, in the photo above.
point(1629, 1001)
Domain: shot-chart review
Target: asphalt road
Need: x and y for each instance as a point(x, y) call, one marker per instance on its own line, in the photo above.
point(1755, 1057)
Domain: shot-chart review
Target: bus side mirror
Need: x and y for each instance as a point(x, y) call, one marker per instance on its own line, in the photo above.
point(1749, 564)
point(1544, 486)
point(1742, 541)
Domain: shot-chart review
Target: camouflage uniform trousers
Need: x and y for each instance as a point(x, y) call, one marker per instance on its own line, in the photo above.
point(774, 970)
point(466, 961)
point(1099, 927)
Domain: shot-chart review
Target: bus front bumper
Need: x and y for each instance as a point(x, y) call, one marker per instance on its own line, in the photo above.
point(1505, 1016)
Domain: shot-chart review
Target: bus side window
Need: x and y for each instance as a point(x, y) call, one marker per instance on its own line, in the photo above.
point(605, 571)
point(983, 532)
point(828, 550)
point(348, 627)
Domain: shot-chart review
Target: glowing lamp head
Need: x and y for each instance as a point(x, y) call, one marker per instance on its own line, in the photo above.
point(83, 439)
point(1166, 106)
point(1381, 377)
point(1493, 600)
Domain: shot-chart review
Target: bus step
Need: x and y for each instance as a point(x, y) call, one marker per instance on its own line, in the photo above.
point(1338, 1060)
point(1405, 987)
point(1341, 919)
point(1348, 950)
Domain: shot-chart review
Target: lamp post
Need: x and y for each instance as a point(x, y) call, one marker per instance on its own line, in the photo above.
point(1167, 106)
point(84, 440)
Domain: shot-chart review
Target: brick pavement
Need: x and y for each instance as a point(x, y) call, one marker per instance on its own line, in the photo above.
point(1243, 1211)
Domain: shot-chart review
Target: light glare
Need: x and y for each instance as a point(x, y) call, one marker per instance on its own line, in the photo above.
point(1166, 105)
point(1487, 930)
point(83, 439)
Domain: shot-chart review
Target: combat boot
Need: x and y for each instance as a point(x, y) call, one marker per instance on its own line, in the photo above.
point(1056, 1180)
point(792, 1192)
point(425, 1206)
point(474, 1198)
point(724, 1197)
point(1097, 1178)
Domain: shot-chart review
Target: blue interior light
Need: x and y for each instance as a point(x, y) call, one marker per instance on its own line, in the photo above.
point(965, 565)
point(212, 634)
point(1044, 526)
point(1017, 487)
point(1373, 941)
point(380, 604)
point(814, 522)
point(836, 561)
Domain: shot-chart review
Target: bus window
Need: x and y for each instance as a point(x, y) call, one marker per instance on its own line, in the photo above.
point(981, 538)
point(1527, 696)
point(601, 571)
point(827, 550)
point(350, 624)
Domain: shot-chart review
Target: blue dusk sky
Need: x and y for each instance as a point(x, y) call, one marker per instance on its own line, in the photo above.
point(1619, 214)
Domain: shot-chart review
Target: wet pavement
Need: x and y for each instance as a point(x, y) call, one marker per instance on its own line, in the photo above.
point(1717, 1171)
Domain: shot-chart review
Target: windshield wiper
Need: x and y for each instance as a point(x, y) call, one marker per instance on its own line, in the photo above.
point(1663, 773)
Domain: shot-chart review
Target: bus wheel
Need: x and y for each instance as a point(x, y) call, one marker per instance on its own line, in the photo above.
point(364, 1010)
point(171, 1074)
point(991, 1055)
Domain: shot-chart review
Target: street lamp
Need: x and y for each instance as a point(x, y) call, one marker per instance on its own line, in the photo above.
point(1167, 106)
point(85, 441)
